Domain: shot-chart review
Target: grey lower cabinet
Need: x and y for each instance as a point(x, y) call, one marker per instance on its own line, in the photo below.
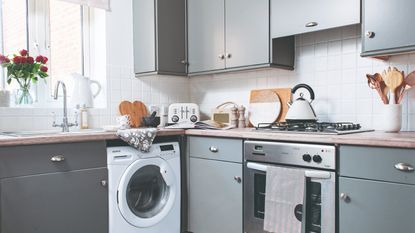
point(376, 207)
point(54, 188)
point(215, 185)
point(376, 190)
point(387, 27)
point(299, 16)
point(159, 28)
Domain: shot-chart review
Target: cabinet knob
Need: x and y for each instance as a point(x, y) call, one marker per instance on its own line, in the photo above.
point(221, 56)
point(184, 62)
point(237, 179)
point(345, 197)
point(370, 34)
point(311, 24)
point(104, 183)
point(228, 55)
point(213, 149)
point(404, 167)
point(57, 158)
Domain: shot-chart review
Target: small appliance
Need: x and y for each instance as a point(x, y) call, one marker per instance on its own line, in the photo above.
point(183, 113)
point(223, 113)
point(301, 109)
point(82, 94)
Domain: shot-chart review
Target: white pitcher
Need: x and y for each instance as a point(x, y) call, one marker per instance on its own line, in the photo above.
point(82, 93)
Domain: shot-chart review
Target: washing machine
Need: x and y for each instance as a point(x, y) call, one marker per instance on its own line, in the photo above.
point(144, 189)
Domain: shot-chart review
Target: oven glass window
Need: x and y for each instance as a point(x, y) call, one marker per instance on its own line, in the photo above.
point(313, 207)
point(259, 195)
point(147, 192)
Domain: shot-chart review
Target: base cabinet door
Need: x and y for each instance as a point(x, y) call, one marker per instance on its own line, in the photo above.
point(375, 206)
point(65, 202)
point(215, 196)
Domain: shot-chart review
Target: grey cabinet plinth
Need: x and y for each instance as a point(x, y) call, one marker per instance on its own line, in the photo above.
point(215, 196)
point(369, 206)
point(387, 27)
point(159, 28)
point(65, 202)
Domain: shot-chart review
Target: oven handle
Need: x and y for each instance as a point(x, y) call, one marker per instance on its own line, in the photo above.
point(310, 173)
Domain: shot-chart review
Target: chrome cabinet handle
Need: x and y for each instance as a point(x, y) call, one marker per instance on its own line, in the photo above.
point(369, 34)
point(345, 197)
point(57, 158)
point(184, 62)
point(228, 55)
point(404, 167)
point(221, 56)
point(104, 183)
point(237, 179)
point(213, 149)
point(311, 24)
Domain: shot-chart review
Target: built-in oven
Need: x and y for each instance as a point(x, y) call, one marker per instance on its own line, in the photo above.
point(317, 211)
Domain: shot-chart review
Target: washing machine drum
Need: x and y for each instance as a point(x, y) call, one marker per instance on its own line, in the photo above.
point(147, 192)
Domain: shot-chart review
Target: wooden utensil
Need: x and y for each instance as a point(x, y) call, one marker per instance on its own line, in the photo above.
point(393, 79)
point(136, 111)
point(264, 107)
point(375, 82)
point(408, 83)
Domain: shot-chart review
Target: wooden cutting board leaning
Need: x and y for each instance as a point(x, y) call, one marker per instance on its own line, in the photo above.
point(136, 111)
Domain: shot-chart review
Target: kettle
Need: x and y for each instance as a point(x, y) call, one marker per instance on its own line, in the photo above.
point(82, 94)
point(300, 110)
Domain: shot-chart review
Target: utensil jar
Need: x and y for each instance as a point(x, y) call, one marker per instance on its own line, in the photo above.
point(392, 118)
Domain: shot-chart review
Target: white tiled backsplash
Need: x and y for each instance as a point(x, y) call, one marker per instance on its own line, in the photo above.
point(329, 61)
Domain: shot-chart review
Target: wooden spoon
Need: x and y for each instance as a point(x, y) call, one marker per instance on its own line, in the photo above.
point(393, 79)
point(408, 83)
point(375, 82)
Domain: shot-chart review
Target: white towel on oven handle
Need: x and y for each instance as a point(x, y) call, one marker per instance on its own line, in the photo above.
point(284, 191)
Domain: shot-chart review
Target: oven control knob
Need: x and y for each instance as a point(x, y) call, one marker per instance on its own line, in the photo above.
point(307, 157)
point(317, 158)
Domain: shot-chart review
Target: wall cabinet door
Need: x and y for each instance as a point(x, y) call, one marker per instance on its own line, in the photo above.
point(206, 30)
point(247, 32)
point(291, 17)
point(215, 196)
point(64, 202)
point(387, 27)
point(374, 206)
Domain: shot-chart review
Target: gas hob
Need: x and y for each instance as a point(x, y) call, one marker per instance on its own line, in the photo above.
point(337, 128)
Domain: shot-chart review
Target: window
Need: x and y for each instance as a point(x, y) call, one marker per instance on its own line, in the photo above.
point(64, 32)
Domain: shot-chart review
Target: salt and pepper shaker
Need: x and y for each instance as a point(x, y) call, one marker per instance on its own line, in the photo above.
point(234, 117)
point(241, 110)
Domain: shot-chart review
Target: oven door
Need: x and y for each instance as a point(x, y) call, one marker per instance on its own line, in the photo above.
point(318, 205)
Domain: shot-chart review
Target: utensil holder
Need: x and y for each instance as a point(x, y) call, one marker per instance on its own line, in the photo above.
point(392, 118)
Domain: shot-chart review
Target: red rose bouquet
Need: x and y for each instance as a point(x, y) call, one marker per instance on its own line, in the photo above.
point(24, 69)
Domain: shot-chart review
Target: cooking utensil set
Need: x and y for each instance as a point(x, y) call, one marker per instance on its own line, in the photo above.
point(391, 85)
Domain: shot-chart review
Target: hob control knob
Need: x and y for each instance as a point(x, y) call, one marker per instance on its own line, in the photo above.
point(317, 158)
point(175, 118)
point(307, 157)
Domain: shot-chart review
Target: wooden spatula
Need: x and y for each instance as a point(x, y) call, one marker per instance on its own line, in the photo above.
point(136, 111)
point(393, 79)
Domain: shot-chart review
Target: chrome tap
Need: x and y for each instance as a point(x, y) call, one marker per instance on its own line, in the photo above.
point(65, 124)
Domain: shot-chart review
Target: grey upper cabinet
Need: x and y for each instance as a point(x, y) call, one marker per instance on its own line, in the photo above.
point(387, 27)
point(301, 16)
point(247, 32)
point(206, 35)
point(159, 28)
point(376, 207)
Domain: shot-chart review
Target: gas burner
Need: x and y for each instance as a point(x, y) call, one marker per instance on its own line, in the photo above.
point(313, 127)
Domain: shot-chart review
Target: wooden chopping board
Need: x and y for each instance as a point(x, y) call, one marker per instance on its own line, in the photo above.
point(265, 95)
point(136, 111)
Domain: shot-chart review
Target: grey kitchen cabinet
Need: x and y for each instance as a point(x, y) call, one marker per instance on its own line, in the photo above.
point(159, 28)
point(54, 188)
point(376, 190)
point(228, 35)
point(376, 206)
point(387, 27)
point(214, 186)
point(300, 16)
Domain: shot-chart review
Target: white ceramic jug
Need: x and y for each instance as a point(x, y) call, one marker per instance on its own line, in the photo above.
point(82, 93)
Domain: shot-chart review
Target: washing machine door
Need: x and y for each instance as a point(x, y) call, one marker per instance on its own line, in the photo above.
point(147, 192)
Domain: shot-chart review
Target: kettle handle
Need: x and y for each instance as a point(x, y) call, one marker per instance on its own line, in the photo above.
point(309, 89)
point(99, 88)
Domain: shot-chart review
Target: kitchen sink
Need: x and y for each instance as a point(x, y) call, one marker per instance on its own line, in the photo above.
point(47, 132)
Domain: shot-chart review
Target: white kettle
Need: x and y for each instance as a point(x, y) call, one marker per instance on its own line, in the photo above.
point(301, 110)
point(82, 94)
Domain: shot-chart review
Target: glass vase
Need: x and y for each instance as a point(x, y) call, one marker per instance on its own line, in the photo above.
point(23, 96)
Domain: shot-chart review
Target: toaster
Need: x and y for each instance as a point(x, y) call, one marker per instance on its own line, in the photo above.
point(183, 113)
